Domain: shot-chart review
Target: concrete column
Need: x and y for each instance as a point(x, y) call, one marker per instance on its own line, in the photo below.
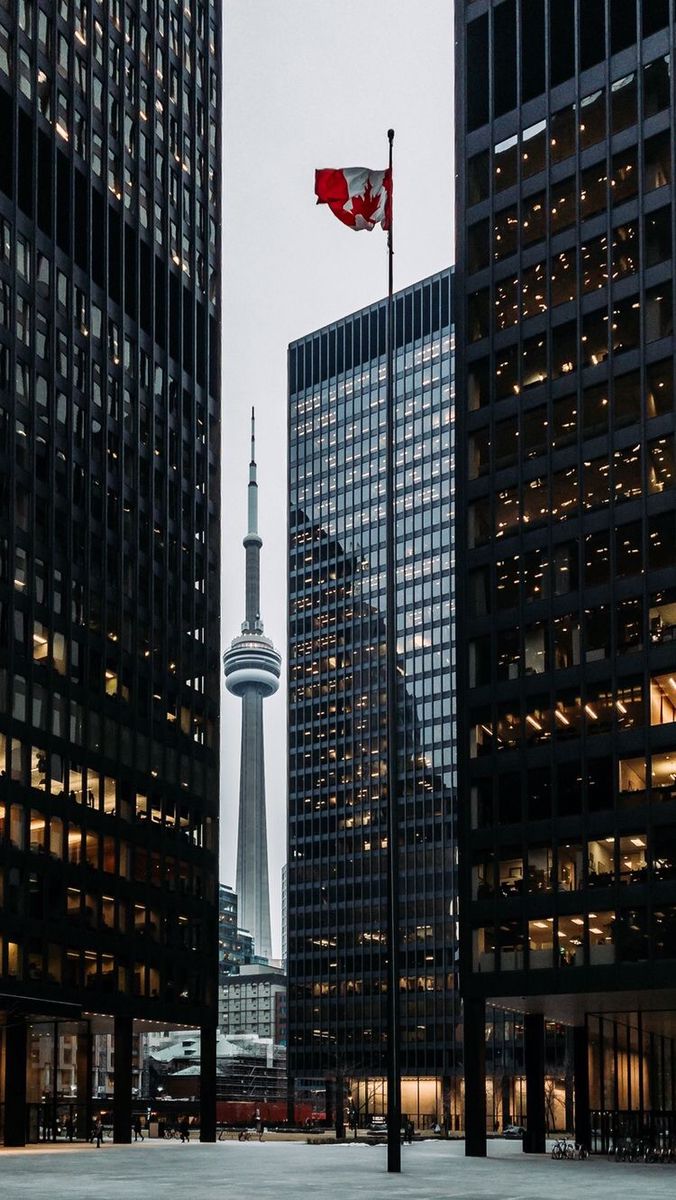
point(474, 1032)
point(641, 1077)
point(506, 1091)
point(123, 1044)
point(208, 1083)
point(290, 1100)
point(16, 1040)
point(83, 1127)
point(534, 1062)
point(446, 1091)
point(329, 1093)
point(340, 1107)
point(653, 1074)
point(581, 1070)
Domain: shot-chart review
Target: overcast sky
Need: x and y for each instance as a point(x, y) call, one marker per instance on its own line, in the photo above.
point(311, 83)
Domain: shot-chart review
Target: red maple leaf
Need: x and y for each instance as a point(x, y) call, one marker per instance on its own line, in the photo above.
point(366, 204)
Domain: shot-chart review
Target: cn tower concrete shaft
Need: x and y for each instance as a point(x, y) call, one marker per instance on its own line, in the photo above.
point(252, 667)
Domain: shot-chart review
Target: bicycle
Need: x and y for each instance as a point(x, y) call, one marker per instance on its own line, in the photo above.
point(569, 1150)
point(620, 1151)
point(560, 1148)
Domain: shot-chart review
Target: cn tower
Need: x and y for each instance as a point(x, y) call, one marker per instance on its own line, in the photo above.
point(252, 667)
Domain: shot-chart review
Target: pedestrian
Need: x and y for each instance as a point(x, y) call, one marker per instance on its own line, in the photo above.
point(184, 1128)
point(70, 1128)
point(352, 1120)
point(98, 1132)
point(258, 1122)
point(410, 1130)
point(138, 1129)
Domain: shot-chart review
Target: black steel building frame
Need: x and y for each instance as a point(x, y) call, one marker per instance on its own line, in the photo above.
point(109, 521)
point(566, 517)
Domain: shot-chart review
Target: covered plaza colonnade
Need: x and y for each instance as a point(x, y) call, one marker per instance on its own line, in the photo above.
point(624, 1066)
point(62, 1069)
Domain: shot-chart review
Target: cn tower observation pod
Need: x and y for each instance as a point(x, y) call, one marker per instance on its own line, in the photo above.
point(252, 662)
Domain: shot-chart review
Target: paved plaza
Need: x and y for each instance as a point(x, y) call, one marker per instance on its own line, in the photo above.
point(286, 1171)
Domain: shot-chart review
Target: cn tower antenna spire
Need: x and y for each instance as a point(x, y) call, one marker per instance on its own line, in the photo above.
point(253, 486)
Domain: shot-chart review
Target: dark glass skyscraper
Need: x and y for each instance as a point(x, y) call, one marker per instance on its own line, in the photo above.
point(337, 713)
point(566, 541)
point(109, 538)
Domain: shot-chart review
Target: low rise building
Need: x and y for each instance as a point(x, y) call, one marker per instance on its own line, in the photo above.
point(247, 1001)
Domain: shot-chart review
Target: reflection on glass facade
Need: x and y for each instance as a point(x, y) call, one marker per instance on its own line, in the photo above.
point(337, 714)
point(109, 502)
point(567, 517)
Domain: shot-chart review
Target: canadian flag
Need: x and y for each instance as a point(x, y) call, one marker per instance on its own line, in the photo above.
point(359, 198)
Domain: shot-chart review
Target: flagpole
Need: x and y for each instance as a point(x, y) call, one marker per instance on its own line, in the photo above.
point(393, 998)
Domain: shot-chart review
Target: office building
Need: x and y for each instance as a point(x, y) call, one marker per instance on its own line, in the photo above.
point(252, 667)
point(109, 541)
point(337, 706)
point(285, 931)
point(566, 541)
point(248, 1000)
point(228, 944)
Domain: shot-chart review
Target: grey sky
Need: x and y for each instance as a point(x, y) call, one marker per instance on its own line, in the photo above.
point(311, 83)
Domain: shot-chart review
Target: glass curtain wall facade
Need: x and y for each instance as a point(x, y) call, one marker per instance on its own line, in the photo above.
point(109, 511)
point(566, 515)
point(336, 703)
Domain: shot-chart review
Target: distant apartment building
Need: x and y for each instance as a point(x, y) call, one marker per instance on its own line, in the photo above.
point(248, 1001)
point(227, 931)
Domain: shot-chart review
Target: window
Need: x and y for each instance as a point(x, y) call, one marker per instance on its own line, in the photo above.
point(533, 149)
point(505, 163)
point(662, 699)
point(540, 943)
point(656, 83)
point(629, 625)
point(601, 938)
point(633, 862)
point(478, 246)
point(592, 113)
point(570, 941)
point(661, 542)
point(564, 431)
point(657, 227)
point(664, 852)
point(631, 936)
point(562, 134)
point(563, 202)
point(664, 931)
point(624, 99)
point(505, 233)
point(657, 161)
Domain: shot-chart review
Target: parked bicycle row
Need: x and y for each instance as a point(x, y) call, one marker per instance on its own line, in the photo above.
point(642, 1150)
point(567, 1149)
